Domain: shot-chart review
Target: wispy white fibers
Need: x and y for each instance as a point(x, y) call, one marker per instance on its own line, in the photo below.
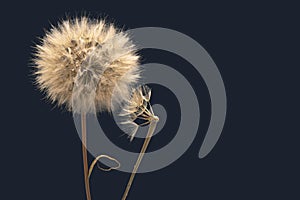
point(90, 58)
point(101, 82)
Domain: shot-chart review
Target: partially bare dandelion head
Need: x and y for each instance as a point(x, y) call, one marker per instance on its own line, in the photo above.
point(138, 110)
point(88, 60)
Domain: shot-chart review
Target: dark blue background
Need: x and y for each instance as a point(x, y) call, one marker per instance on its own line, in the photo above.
point(255, 46)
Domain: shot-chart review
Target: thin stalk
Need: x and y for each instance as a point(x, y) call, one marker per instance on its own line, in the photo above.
point(107, 170)
point(151, 130)
point(84, 157)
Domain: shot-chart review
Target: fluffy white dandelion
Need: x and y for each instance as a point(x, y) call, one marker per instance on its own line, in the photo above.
point(85, 63)
point(88, 66)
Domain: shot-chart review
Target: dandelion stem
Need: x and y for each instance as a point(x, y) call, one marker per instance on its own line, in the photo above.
point(84, 156)
point(151, 130)
point(108, 169)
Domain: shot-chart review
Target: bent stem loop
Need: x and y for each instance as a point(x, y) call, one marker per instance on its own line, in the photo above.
point(109, 169)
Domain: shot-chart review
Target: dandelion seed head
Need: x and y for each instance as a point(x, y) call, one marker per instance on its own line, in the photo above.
point(86, 65)
point(138, 111)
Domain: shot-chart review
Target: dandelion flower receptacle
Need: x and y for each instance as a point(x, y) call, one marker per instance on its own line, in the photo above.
point(87, 66)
